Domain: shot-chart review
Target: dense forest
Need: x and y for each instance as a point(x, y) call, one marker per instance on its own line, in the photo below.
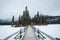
point(26, 19)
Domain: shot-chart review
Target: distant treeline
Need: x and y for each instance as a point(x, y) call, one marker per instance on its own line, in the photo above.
point(26, 19)
point(38, 19)
point(5, 23)
point(53, 19)
point(47, 18)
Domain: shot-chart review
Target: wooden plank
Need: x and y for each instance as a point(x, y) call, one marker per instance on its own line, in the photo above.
point(29, 34)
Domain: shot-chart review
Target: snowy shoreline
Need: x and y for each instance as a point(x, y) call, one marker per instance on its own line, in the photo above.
point(50, 29)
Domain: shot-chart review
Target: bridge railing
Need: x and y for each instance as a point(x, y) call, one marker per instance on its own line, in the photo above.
point(42, 35)
point(10, 36)
point(21, 33)
point(38, 33)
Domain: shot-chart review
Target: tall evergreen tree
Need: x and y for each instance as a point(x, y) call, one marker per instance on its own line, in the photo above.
point(12, 20)
point(19, 20)
point(25, 19)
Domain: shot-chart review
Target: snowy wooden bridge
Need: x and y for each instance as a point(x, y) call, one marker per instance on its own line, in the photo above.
point(29, 33)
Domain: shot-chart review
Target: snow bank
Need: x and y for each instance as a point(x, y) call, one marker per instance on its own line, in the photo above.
point(51, 29)
point(6, 30)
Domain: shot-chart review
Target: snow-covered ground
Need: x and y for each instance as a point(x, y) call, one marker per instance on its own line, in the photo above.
point(51, 29)
point(6, 30)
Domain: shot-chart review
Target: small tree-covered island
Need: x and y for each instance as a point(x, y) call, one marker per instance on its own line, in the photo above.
point(26, 19)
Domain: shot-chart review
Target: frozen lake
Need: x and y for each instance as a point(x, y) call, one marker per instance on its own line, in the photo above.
point(52, 30)
point(6, 30)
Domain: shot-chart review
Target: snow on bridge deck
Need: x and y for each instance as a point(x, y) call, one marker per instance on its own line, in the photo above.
point(29, 34)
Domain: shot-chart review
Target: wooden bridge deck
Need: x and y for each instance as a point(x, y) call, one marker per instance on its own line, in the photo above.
point(29, 34)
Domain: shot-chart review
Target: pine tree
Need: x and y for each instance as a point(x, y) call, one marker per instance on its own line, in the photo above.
point(19, 20)
point(12, 20)
point(25, 19)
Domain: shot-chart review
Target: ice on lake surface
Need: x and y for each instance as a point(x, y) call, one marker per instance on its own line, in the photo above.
point(6, 30)
point(51, 29)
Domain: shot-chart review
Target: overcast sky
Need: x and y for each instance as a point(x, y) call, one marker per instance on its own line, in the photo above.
point(8, 8)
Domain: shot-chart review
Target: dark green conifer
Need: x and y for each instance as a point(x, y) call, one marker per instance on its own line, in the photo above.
point(12, 20)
